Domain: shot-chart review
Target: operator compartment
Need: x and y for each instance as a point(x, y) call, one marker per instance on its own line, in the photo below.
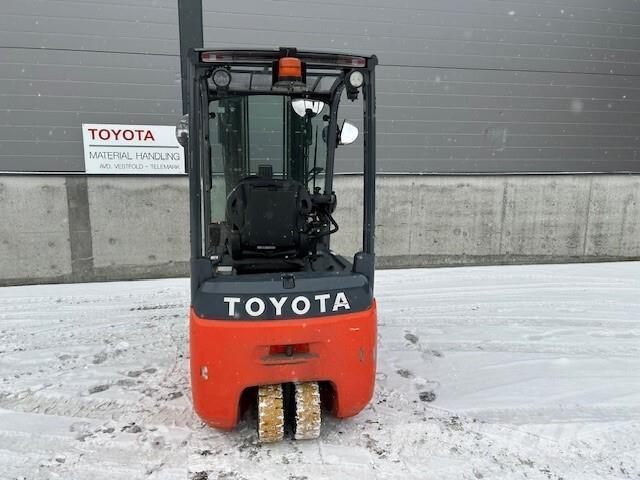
point(270, 130)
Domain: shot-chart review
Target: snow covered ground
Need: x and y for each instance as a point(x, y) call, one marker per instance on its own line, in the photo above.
point(487, 372)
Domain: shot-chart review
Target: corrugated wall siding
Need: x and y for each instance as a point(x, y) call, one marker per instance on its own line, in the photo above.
point(64, 63)
point(464, 85)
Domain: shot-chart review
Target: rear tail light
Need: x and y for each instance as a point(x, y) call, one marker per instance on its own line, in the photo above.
point(289, 350)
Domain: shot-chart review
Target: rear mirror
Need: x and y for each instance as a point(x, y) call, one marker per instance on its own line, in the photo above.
point(182, 130)
point(347, 133)
point(307, 107)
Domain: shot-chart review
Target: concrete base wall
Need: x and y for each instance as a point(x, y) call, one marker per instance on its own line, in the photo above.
point(57, 229)
point(485, 220)
point(79, 228)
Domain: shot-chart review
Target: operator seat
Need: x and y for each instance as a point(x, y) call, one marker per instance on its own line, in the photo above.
point(267, 218)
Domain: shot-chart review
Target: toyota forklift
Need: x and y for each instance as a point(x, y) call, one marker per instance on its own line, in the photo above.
point(277, 317)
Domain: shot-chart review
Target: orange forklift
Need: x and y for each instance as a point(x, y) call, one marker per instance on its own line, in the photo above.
point(277, 317)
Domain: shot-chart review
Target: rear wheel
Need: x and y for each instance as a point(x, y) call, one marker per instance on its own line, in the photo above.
point(270, 413)
point(308, 415)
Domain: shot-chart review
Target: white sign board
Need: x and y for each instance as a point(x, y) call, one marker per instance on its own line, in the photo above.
point(132, 149)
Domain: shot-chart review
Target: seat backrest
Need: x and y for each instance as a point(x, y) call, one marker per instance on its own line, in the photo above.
point(267, 217)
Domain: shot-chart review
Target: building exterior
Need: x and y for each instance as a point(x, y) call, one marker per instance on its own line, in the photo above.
point(474, 96)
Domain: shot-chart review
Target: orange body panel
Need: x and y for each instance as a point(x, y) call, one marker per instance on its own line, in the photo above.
point(229, 356)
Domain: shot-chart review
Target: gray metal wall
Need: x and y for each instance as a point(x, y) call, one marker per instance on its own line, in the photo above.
point(475, 85)
point(464, 85)
point(65, 62)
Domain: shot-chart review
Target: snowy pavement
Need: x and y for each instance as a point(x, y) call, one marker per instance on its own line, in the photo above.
point(486, 372)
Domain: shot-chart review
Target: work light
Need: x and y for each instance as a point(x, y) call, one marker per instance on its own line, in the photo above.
point(221, 77)
point(356, 79)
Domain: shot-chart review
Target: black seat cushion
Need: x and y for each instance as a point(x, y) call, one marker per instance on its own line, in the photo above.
point(267, 217)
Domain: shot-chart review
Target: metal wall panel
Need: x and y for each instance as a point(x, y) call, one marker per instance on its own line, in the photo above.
point(137, 26)
point(602, 37)
point(492, 121)
point(471, 86)
point(46, 95)
point(465, 86)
